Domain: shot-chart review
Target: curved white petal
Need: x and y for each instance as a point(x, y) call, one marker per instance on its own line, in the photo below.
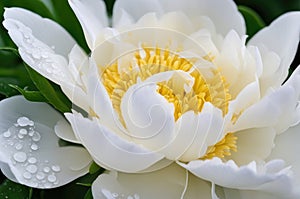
point(148, 116)
point(272, 177)
point(276, 109)
point(253, 145)
point(287, 147)
point(223, 13)
point(30, 149)
point(64, 131)
point(166, 183)
point(42, 43)
point(108, 148)
point(134, 10)
point(281, 37)
point(92, 17)
point(207, 128)
point(43, 29)
point(197, 188)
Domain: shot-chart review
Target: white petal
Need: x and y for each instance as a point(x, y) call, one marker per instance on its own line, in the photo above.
point(43, 29)
point(165, 183)
point(281, 37)
point(223, 13)
point(197, 188)
point(287, 147)
point(134, 8)
point(36, 37)
point(99, 100)
point(108, 148)
point(64, 131)
point(30, 148)
point(277, 108)
point(249, 194)
point(253, 145)
point(207, 128)
point(148, 116)
point(272, 177)
point(92, 17)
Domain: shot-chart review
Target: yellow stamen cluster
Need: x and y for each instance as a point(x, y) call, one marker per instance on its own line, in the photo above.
point(154, 61)
point(222, 148)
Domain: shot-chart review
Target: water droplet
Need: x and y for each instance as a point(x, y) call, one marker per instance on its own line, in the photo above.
point(21, 136)
point(46, 169)
point(34, 147)
point(20, 156)
point(23, 121)
point(19, 146)
point(32, 160)
point(31, 123)
point(51, 178)
point(55, 168)
point(115, 195)
point(36, 137)
point(31, 168)
point(49, 70)
point(40, 176)
point(7, 134)
point(31, 133)
point(53, 47)
point(27, 175)
point(23, 131)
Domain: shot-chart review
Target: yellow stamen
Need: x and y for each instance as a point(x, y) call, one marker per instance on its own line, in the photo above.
point(213, 89)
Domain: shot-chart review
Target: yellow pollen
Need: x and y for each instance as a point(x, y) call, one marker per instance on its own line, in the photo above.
point(222, 148)
point(213, 89)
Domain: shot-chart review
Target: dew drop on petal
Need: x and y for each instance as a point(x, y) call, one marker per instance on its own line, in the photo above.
point(46, 169)
point(19, 146)
point(27, 175)
point(23, 121)
point(7, 134)
point(36, 136)
point(51, 178)
point(31, 168)
point(32, 160)
point(20, 136)
point(23, 131)
point(20, 156)
point(40, 176)
point(55, 168)
point(115, 195)
point(34, 147)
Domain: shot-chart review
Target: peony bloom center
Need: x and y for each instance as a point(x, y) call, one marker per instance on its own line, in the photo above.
point(146, 62)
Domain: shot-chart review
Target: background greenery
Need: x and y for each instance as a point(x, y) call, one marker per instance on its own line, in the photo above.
point(16, 78)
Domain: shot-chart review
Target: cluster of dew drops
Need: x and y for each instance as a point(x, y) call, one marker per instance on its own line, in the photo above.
point(21, 142)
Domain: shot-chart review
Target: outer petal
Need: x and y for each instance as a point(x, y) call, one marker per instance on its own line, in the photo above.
point(30, 153)
point(253, 145)
point(282, 37)
point(92, 17)
point(272, 177)
point(64, 131)
point(169, 182)
point(108, 148)
point(42, 43)
point(223, 13)
point(287, 147)
point(279, 107)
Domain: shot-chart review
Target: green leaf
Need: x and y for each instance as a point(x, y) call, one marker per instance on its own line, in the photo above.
point(5, 89)
point(94, 168)
point(54, 96)
point(36, 6)
point(34, 96)
point(10, 49)
point(9, 189)
point(88, 194)
point(253, 21)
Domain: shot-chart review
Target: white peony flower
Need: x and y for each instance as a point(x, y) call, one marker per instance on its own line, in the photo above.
point(178, 105)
